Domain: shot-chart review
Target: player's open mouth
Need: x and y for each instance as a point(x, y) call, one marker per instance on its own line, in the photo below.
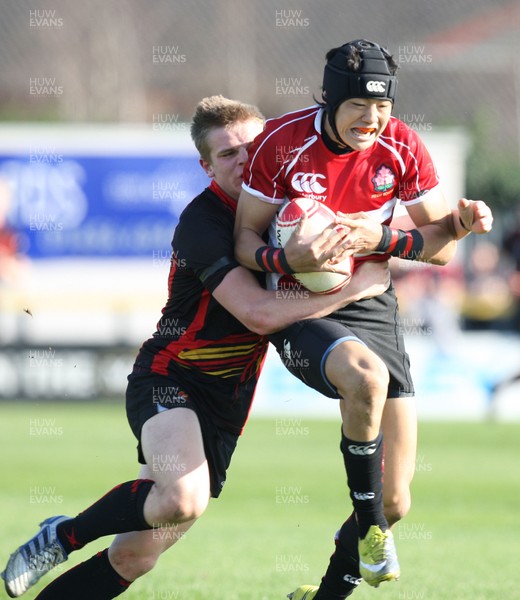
point(363, 132)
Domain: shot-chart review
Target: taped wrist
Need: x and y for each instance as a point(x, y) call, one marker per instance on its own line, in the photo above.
point(273, 260)
point(404, 244)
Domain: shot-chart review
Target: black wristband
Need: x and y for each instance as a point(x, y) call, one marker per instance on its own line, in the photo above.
point(287, 269)
point(384, 242)
point(403, 244)
point(273, 260)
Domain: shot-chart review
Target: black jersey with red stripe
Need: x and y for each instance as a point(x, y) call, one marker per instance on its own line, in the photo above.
point(215, 358)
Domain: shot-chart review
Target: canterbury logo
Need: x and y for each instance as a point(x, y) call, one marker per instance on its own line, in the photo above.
point(376, 86)
point(364, 495)
point(362, 450)
point(287, 349)
point(352, 580)
point(308, 182)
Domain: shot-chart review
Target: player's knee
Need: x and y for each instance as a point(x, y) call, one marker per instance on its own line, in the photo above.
point(363, 380)
point(180, 504)
point(397, 507)
point(190, 507)
point(373, 381)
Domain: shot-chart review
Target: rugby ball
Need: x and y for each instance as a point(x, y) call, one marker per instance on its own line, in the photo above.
point(319, 216)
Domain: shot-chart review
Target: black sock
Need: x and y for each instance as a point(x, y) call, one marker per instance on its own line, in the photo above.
point(363, 463)
point(94, 579)
point(342, 576)
point(118, 511)
point(348, 536)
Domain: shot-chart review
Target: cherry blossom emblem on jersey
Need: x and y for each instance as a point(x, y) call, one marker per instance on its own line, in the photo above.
point(384, 179)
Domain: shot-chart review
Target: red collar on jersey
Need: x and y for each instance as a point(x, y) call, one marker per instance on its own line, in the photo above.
point(228, 201)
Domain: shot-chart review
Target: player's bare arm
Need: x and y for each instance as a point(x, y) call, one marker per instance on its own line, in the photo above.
point(439, 226)
point(265, 311)
point(442, 231)
point(432, 217)
point(252, 220)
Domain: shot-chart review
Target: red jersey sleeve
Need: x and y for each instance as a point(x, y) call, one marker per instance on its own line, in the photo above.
point(265, 168)
point(419, 173)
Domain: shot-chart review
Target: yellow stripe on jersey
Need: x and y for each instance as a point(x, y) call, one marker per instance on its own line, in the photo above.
point(223, 373)
point(212, 353)
point(224, 362)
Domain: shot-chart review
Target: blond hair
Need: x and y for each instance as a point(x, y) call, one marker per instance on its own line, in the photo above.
point(217, 111)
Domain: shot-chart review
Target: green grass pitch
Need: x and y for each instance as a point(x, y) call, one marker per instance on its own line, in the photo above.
point(271, 530)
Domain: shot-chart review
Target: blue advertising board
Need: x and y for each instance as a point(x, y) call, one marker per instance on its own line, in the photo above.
point(103, 200)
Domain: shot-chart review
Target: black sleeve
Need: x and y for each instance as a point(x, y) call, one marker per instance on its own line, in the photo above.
point(203, 243)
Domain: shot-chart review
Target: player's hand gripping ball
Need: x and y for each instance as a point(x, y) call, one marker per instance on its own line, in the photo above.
point(319, 217)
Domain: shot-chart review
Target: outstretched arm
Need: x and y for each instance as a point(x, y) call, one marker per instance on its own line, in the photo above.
point(439, 227)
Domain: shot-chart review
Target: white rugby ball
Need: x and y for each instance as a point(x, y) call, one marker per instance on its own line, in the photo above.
point(319, 216)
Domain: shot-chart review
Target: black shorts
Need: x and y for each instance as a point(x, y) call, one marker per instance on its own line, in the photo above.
point(305, 345)
point(150, 394)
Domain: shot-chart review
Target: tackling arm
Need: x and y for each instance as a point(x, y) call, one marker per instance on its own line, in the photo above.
point(264, 311)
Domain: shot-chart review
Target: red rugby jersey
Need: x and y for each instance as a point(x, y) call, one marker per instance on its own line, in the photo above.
point(289, 159)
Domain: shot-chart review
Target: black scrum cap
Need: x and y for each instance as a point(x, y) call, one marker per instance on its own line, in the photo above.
point(373, 80)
